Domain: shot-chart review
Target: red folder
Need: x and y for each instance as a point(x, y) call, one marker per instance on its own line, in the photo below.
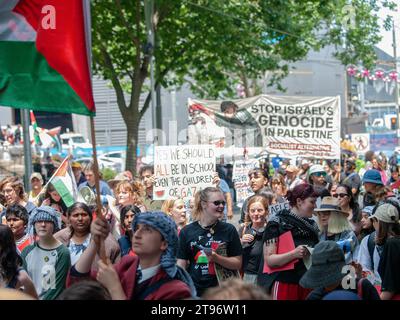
point(284, 245)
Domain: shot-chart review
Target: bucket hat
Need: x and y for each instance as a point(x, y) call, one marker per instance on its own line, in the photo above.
point(372, 176)
point(327, 262)
point(368, 210)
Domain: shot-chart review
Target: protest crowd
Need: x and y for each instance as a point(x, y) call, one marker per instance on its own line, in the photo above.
point(311, 230)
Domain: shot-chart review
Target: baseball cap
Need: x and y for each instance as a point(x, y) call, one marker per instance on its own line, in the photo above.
point(36, 175)
point(386, 212)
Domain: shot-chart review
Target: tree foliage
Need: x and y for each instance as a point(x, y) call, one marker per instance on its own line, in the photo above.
point(215, 44)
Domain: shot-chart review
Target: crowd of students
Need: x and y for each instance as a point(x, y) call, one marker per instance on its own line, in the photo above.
point(338, 236)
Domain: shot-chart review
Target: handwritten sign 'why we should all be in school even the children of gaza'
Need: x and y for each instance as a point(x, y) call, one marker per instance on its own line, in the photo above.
point(181, 171)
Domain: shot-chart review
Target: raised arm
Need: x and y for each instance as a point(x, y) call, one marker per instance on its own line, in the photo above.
point(99, 230)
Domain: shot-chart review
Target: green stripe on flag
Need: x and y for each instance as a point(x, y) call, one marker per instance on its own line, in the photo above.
point(63, 191)
point(27, 81)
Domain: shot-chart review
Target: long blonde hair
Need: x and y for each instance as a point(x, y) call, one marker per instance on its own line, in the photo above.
point(169, 204)
point(337, 223)
point(199, 197)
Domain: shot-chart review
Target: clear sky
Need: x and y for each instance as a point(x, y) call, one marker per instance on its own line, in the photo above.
point(386, 42)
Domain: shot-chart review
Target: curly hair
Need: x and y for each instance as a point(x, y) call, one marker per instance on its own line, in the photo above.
point(19, 212)
point(135, 187)
point(16, 184)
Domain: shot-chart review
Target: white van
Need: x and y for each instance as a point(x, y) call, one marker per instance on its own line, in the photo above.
point(74, 140)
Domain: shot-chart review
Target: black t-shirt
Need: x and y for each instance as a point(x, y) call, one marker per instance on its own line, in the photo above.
point(253, 251)
point(193, 237)
point(368, 291)
point(301, 234)
point(389, 266)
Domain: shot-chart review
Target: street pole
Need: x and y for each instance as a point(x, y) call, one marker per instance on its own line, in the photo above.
point(173, 125)
point(149, 10)
point(362, 96)
point(158, 114)
point(396, 88)
point(27, 147)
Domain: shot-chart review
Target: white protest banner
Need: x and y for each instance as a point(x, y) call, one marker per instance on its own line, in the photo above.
point(285, 126)
point(181, 171)
point(240, 179)
point(275, 208)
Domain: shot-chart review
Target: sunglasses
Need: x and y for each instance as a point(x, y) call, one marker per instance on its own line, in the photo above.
point(217, 203)
point(340, 195)
point(319, 174)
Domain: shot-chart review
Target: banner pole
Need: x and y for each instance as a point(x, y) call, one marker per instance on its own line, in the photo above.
point(99, 211)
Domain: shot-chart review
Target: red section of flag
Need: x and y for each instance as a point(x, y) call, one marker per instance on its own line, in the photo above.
point(62, 169)
point(65, 46)
point(33, 119)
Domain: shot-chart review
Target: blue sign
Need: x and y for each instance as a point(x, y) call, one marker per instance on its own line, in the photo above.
point(383, 141)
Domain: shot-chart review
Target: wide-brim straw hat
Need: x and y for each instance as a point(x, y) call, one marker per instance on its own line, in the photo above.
point(330, 204)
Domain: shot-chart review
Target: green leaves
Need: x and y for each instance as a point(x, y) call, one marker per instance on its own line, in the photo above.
point(214, 44)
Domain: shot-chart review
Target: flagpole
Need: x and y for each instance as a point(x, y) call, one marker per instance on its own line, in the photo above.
point(99, 211)
point(27, 147)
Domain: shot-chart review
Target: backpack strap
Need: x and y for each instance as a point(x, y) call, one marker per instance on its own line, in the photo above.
point(347, 179)
point(152, 288)
point(371, 247)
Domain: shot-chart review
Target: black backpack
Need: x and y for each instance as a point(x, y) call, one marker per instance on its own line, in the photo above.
point(371, 240)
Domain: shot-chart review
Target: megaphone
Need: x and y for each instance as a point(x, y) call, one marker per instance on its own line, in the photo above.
point(346, 245)
point(87, 196)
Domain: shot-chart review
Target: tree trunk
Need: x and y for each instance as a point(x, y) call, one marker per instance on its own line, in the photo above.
point(132, 126)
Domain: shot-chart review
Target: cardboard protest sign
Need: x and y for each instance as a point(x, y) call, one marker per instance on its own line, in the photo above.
point(286, 126)
point(275, 208)
point(221, 272)
point(181, 171)
point(240, 179)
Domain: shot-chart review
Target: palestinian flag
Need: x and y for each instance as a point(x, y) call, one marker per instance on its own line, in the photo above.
point(45, 55)
point(35, 128)
point(63, 181)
